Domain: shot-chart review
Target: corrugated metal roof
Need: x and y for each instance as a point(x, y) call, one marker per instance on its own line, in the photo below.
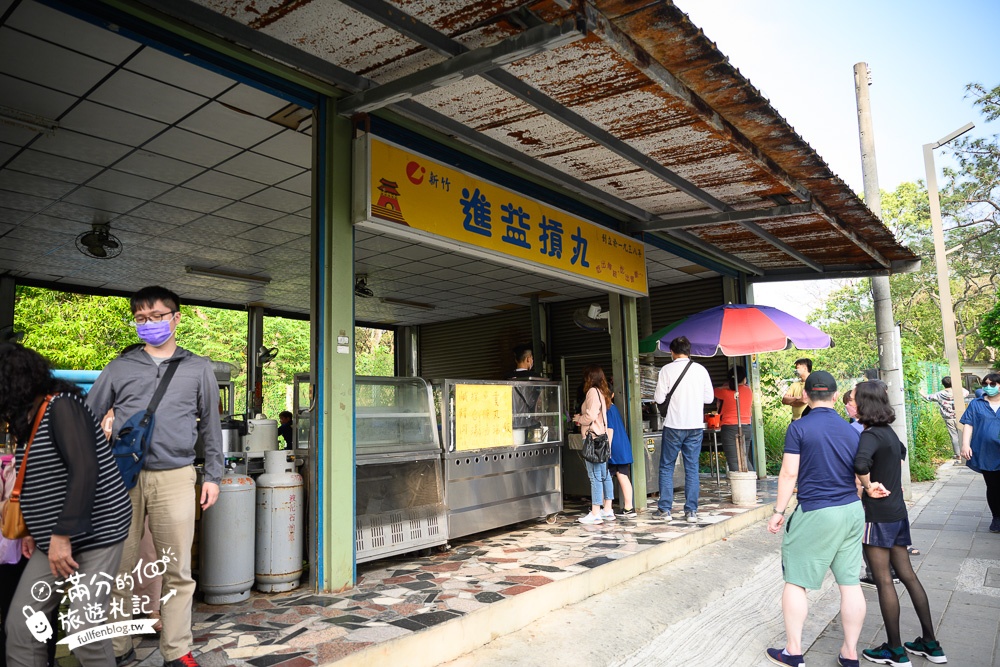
point(645, 74)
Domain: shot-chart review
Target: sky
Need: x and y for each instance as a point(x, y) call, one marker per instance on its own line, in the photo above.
point(801, 55)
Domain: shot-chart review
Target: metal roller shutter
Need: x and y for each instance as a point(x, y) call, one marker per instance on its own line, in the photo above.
point(580, 347)
point(478, 347)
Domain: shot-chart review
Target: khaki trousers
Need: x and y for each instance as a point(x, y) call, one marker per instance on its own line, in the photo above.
point(167, 498)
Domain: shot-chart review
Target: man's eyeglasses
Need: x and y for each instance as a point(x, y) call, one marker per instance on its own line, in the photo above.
point(155, 317)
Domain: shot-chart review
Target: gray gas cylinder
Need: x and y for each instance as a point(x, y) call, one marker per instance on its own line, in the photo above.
point(279, 525)
point(226, 552)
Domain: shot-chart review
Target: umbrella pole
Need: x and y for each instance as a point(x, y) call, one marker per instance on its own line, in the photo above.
point(740, 455)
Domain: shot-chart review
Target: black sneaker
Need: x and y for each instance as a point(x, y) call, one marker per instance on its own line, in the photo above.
point(868, 582)
point(929, 649)
point(186, 660)
point(628, 513)
point(127, 659)
point(995, 525)
point(887, 655)
point(660, 514)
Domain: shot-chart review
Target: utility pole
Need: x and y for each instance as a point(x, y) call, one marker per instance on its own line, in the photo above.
point(885, 325)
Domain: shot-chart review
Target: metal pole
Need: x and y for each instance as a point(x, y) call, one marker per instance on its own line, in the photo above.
point(885, 325)
point(941, 262)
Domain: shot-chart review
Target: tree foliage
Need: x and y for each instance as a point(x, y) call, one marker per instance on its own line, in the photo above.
point(81, 332)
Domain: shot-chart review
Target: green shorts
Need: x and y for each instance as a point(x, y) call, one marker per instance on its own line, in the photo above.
point(829, 538)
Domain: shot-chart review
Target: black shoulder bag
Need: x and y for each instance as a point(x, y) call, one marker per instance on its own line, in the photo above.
point(597, 447)
point(662, 407)
point(132, 444)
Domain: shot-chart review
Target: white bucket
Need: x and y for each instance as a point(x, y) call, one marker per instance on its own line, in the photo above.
point(744, 487)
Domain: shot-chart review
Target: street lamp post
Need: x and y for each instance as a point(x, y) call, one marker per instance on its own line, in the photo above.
point(941, 261)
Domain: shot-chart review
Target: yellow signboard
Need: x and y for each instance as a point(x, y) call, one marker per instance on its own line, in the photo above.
point(436, 202)
point(483, 416)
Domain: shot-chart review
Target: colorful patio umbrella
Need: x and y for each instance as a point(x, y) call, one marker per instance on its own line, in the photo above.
point(736, 330)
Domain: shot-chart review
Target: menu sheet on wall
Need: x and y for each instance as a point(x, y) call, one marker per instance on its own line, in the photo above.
point(483, 416)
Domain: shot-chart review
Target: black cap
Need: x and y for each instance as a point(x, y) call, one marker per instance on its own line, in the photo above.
point(820, 381)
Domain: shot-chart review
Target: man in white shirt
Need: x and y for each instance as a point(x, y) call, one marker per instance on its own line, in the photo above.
point(683, 426)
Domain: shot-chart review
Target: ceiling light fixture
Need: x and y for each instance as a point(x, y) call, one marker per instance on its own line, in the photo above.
point(408, 304)
point(228, 275)
point(27, 121)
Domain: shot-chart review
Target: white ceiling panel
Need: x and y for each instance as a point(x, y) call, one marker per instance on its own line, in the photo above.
point(292, 223)
point(81, 147)
point(7, 151)
point(15, 136)
point(11, 217)
point(22, 202)
point(128, 184)
point(224, 185)
point(232, 127)
point(167, 214)
point(108, 123)
point(49, 65)
point(301, 184)
point(190, 147)
point(252, 100)
point(259, 168)
point(248, 213)
point(193, 200)
point(177, 72)
point(78, 212)
point(267, 235)
point(293, 147)
point(158, 167)
point(53, 166)
point(33, 99)
point(145, 97)
point(238, 244)
point(211, 227)
point(280, 200)
point(71, 32)
point(32, 184)
point(138, 225)
point(103, 200)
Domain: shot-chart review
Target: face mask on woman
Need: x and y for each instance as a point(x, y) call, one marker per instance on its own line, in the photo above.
point(991, 390)
point(852, 410)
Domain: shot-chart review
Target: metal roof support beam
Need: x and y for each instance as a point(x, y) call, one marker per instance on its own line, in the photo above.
point(431, 38)
point(690, 239)
point(851, 235)
point(660, 224)
point(522, 45)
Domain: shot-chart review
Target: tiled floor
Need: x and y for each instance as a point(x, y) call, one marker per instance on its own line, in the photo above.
point(402, 595)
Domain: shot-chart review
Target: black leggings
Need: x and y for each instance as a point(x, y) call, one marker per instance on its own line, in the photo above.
point(879, 559)
point(992, 478)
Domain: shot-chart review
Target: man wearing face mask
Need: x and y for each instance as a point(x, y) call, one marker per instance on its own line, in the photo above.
point(166, 485)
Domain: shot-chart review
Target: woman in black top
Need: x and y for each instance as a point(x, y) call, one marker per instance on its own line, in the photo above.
point(887, 528)
point(74, 505)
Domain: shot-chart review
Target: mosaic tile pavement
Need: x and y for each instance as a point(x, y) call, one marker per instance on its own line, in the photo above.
point(402, 595)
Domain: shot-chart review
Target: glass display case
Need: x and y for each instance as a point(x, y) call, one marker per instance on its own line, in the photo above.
point(399, 497)
point(502, 452)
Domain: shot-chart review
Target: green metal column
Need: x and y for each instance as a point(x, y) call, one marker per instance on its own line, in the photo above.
point(624, 329)
point(336, 358)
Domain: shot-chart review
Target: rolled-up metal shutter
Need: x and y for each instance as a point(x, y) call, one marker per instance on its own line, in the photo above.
point(478, 347)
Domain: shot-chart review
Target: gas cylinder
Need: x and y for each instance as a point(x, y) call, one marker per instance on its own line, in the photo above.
point(226, 552)
point(279, 525)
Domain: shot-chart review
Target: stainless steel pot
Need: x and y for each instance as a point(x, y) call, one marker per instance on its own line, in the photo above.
point(537, 434)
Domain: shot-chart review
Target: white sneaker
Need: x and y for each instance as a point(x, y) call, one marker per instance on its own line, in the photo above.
point(608, 516)
point(590, 520)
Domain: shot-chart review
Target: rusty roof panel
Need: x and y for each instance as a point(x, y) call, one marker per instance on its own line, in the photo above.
point(657, 84)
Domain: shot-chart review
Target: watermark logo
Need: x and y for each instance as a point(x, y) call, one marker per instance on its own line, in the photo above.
point(86, 608)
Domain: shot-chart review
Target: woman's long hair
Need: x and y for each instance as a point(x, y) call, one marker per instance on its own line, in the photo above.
point(593, 376)
point(24, 376)
point(873, 404)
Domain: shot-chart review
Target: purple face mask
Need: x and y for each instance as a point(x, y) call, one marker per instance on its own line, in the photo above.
point(154, 333)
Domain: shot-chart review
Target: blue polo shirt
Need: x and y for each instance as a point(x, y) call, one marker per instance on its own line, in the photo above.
point(985, 435)
point(826, 445)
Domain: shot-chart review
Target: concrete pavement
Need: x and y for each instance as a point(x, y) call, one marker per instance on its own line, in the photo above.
point(720, 604)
